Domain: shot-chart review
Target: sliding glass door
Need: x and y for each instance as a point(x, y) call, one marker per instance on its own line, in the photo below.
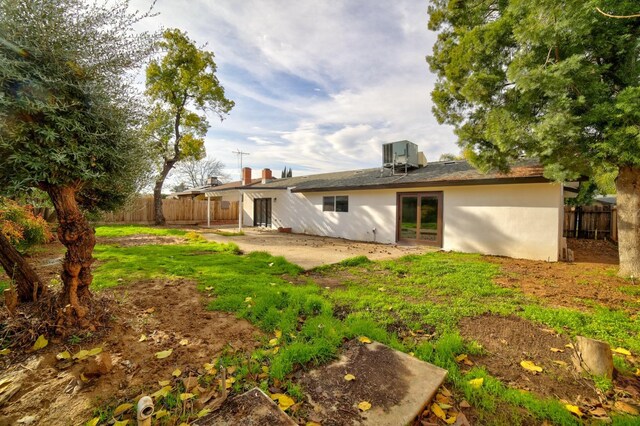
point(420, 218)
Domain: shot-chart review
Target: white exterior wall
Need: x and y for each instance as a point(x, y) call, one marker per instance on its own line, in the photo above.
point(516, 220)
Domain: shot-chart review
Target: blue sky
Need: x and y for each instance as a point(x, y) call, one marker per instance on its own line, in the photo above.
point(318, 85)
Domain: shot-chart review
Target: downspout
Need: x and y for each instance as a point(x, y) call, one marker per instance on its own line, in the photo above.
point(208, 210)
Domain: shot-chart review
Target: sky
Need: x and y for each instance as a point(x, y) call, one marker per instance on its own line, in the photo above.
point(318, 86)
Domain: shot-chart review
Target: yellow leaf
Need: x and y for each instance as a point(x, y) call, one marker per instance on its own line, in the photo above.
point(451, 420)
point(184, 342)
point(273, 342)
point(5, 352)
point(161, 413)
point(560, 363)
point(142, 338)
point(637, 373)
point(124, 422)
point(150, 311)
point(626, 408)
point(247, 299)
point(81, 355)
point(164, 383)
point(229, 382)
point(364, 406)
point(557, 350)
point(121, 409)
point(176, 373)
point(439, 412)
point(574, 409)
point(208, 288)
point(569, 345)
point(40, 343)
point(531, 366)
point(284, 401)
point(621, 351)
point(276, 349)
point(203, 412)
point(63, 355)
point(382, 289)
point(231, 370)
point(264, 369)
point(349, 377)
point(476, 383)
point(364, 339)
point(93, 422)
point(84, 378)
point(185, 396)
point(164, 391)
point(278, 334)
point(312, 424)
point(164, 354)
point(461, 357)
point(94, 351)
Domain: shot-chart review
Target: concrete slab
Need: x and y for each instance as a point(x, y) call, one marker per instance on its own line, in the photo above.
point(252, 408)
point(398, 386)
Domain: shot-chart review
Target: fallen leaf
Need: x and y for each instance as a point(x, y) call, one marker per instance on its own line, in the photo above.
point(441, 399)
point(461, 357)
point(476, 383)
point(364, 406)
point(531, 366)
point(276, 349)
point(93, 422)
point(94, 351)
point(5, 352)
point(84, 378)
point(63, 355)
point(284, 401)
point(161, 413)
point(229, 382)
point(142, 338)
point(621, 351)
point(185, 396)
point(273, 342)
point(626, 408)
point(382, 289)
point(184, 342)
point(445, 406)
point(150, 311)
point(164, 391)
point(278, 334)
point(121, 409)
point(349, 377)
point(451, 419)
point(203, 412)
point(164, 382)
point(124, 422)
point(445, 391)
point(231, 370)
point(40, 343)
point(176, 373)
point(208, 288)
point(164, 354)
point(312, 424)
point(81, 354)
point(598, 412)
point(560, 363)
point(464, 404)
point(569, 345)
point(574, 409)
point(637, 373)
point(364, 339)
point(248, 299)
point(557, 350)
point(439, 412)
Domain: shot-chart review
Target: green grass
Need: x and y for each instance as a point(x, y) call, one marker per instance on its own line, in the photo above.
point(113, 231)
point(431, 292)
point(229, 233)
point(3, 285)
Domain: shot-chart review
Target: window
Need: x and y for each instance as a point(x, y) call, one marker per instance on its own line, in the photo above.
point(338, 203)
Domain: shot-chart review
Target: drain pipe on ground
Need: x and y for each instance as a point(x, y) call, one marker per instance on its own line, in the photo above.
point(145, 411)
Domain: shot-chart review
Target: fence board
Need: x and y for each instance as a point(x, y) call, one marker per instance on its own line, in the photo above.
point(176, 212)
point(591, 222)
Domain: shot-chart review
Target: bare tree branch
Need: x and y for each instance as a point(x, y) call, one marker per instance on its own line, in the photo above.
point(617, 16)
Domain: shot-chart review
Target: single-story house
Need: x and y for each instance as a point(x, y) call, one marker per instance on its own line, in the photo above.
point(447, 204)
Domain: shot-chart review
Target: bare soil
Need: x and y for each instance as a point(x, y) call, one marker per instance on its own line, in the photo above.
point(166, 312)
point(592, 277)
point(510, 340)
point(140, 240)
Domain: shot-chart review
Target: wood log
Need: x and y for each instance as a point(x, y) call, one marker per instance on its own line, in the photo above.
point(593, 356)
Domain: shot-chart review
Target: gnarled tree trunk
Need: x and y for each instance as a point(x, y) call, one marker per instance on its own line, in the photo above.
point(157, 192)
point(628, 201)
point(21, 273)
point(75, 233)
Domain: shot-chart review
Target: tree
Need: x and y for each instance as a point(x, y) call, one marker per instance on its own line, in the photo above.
point(184, 78)
point(69, 115)
point(552, 80)
point(447, 156)
point(196, 172)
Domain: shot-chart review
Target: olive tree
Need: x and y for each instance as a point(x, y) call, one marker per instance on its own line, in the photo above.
point(70, 115)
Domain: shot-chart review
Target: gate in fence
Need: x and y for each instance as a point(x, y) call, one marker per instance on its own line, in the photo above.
point(591, 222)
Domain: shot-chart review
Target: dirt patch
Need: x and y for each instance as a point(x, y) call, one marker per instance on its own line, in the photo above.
point(510, 340)
point(573, 285)
point(593, 251)
point(381, 384)
point(252, 408)
point(171, 316)
point(141, 240)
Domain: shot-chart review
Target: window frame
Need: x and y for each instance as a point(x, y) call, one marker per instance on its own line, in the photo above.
point(330, 203)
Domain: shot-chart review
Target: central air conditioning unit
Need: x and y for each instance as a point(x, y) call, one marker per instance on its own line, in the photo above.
point(400, 155)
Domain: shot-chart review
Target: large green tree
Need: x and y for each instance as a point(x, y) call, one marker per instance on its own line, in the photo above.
point(183, 87)
point(69, 116)
point(555, 80)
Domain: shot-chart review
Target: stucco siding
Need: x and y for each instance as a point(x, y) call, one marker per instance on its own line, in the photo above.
point(516, 220)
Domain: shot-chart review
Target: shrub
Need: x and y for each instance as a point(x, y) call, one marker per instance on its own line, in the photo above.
point(21, 227)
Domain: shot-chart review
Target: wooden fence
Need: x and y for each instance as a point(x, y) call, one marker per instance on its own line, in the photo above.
point(176, 212)
point(591, 222)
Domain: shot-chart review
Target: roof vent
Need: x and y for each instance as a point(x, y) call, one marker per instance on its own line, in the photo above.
point(400, 155)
